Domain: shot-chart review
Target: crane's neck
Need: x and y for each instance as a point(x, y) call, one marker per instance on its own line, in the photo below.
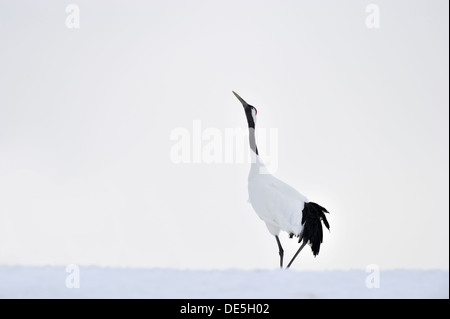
point(251, 120)
point(252, 140)
point(257, 168)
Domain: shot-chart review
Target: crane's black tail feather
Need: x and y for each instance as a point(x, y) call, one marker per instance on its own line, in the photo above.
point(312, 232)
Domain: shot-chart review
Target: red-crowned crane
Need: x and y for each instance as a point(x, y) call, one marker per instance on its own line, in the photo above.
point(279, 205)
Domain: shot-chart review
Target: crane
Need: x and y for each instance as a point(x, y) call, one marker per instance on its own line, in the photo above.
point(279, 205)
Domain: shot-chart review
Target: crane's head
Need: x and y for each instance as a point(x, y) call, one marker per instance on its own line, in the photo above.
point(250, 111)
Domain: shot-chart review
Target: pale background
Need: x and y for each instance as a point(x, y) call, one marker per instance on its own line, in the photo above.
point(86, 116)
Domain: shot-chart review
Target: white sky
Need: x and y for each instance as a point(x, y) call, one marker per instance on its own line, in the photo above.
point(86, 116)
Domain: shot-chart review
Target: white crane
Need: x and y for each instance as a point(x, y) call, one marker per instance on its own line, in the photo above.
point(279, 205)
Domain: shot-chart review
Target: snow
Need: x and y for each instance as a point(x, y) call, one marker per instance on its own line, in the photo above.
point(97, 282)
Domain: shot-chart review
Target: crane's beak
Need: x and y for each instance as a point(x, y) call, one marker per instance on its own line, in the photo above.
point(245, 104)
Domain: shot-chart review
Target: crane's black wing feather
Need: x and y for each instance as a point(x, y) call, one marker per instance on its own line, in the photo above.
point(312, 218)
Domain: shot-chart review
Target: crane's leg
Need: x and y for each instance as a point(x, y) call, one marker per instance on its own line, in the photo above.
point(298, 251)
point(280, 251)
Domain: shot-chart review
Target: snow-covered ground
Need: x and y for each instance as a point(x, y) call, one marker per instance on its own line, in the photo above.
point(97, 282)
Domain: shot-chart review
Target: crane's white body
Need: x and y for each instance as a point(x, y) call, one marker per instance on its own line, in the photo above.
point(275, 202)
